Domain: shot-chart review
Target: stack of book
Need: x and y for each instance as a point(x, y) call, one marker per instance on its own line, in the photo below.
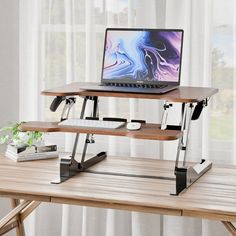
point(30, 153)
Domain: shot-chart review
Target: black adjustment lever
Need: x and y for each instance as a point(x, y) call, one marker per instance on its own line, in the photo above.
point(56, 102)
point(197, 110)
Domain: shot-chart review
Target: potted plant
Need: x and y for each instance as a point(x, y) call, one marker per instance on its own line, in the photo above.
point(12, 135)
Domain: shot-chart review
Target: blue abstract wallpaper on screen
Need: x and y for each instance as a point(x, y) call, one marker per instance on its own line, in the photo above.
point(142, 55)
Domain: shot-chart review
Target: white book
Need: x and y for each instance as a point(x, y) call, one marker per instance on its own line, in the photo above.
point(32, 157)
point(20, 149)
point(25, 150)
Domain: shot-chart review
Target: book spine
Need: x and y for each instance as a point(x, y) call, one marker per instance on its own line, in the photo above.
point(21, 154)
point(21, 151)
point(29, 157)
point(39, 157)
point(16, 149)
point(48, 148)
point(37, 154)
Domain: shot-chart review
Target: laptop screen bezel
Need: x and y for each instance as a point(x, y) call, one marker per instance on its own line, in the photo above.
point(131, 81)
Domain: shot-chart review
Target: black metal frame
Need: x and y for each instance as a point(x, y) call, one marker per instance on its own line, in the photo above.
point(185, 175)
point(68, 165)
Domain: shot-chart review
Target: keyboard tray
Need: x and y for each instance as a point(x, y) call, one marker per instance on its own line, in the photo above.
point(147, 131)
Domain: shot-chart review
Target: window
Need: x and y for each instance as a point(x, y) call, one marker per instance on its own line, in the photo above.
point(222, 113)
point(64, 40)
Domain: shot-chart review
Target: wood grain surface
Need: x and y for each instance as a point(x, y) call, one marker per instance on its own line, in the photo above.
point(212, 196)
point(182, 94)
point(147, 131)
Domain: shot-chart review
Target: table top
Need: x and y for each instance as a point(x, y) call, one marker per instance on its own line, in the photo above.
point(182, 94)
point(212, 196)
point(147, 131)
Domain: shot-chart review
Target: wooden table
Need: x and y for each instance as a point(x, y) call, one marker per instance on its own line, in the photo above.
point(144, 185)
point(211, 197)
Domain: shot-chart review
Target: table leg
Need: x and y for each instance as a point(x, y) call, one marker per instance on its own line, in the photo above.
point(8, 227)
point(14, 219)
point(10, 221)
point(230, 227)
point(20, 231)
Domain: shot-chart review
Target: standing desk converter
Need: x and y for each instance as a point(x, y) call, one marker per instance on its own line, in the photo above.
point(134, 184)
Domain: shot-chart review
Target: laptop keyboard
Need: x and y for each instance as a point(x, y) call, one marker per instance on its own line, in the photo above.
point(155, 86)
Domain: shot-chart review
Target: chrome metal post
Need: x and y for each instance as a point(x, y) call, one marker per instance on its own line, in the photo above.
point(68, 105)
point(187, 132)
point(94, 114)
point(77, 134)
point(166, 107)
point(181, 140)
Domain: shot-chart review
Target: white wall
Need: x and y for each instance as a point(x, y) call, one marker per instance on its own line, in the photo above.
point(9, 61)
point(9, 71)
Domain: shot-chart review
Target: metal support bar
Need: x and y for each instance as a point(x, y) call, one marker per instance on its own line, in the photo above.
point(66, 110)
point(166, 107)
point(77, 134)
point(93, 160)
point(185, 126)
point(187, 133)
point(69, 168)
point(181, 140)
point(230, 227)
point(94, 114)
point(85, 148)
point(186, 176)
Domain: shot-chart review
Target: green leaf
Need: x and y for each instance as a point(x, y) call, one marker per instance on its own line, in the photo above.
point(15, 134)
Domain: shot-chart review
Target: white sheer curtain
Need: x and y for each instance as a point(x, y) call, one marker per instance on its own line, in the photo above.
point(62, 42)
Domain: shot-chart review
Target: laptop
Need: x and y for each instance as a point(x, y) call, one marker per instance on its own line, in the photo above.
point(141, 61)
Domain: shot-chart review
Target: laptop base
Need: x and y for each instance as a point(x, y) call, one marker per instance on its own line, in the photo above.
point(106, 88)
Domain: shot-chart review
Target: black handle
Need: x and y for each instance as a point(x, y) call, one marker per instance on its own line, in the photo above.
point(197, 110)
point(56, 102)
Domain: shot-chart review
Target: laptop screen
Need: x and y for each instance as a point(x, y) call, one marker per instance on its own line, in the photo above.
point(142, 55)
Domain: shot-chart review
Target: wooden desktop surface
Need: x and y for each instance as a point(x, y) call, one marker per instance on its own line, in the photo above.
point(147, 131)
point(182, 94)
point(212, 196)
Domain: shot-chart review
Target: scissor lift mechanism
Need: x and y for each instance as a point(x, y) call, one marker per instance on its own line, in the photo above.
point(185, 174)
